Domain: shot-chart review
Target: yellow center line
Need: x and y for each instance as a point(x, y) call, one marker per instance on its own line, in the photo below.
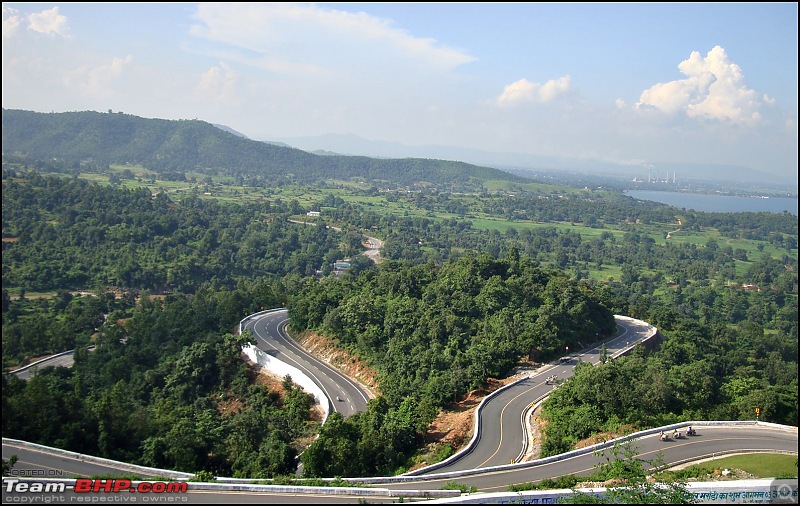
point(578, 472)
point(501, 422)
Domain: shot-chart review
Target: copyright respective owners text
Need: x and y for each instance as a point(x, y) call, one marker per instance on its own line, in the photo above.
point(84, 490)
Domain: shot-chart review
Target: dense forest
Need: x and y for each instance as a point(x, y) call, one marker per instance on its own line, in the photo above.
point(645, 266)
point(481, 314)
point(434, 333)
point(451, 305)
point(700, 373)
point(69, 233)
point(166, 387)
point(438, 332)
point(176, 147)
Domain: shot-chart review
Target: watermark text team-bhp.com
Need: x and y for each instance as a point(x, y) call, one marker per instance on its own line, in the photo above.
point(26, 490)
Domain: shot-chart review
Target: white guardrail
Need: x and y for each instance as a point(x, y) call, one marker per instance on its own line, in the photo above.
point(476, 432)
point(576, 453)
point(743, 490)
point(283, 369)
point(749, 491)
point(32, 364)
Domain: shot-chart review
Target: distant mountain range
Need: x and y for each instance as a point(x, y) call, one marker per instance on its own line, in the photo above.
point(353, 145)
point(180, 146)
point(231, 130)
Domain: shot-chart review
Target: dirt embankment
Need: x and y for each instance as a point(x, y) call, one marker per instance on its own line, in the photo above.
point(324, 349)
point(453, 425)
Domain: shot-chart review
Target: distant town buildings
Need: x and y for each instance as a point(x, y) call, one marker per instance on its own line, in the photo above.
point(651, 179)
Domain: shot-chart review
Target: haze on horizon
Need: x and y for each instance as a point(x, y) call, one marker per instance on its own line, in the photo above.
point(696, 83)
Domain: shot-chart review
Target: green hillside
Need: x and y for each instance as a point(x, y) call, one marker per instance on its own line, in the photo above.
point(179, 146)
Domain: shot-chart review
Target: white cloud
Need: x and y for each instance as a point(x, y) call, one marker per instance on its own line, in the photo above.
point(219, 84)
point(525, 91)
point(98, 81)
point(713, 89)
point(11, 22)
point(290, 37)
point(48, 22)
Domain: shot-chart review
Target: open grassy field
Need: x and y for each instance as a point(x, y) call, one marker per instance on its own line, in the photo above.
point(404, 204)
point(760, 465)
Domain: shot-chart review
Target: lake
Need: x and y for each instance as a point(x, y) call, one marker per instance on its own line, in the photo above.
point(717, 203)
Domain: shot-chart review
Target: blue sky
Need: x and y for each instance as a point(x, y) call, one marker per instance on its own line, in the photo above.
point(626, 83)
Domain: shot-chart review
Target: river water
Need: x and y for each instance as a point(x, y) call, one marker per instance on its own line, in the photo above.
point(718, 203)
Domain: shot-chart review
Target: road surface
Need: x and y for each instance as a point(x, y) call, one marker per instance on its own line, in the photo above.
point(498, 445)
point(374, 246)
point(502, 431)
point(710, 441)
point(271, 337)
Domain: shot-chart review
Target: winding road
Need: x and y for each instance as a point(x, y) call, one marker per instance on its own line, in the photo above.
point(346, 396)
point(59, 360)
point(486, 464)
point(486, 467)
point(374, 246)
point(710, 441)
point(63, 359)
point(502, 435)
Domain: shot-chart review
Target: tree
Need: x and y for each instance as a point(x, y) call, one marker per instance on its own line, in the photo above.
point(635, 488)
point(604, 354)
point(8, 464)
point(641, 492)
point(335, 451)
